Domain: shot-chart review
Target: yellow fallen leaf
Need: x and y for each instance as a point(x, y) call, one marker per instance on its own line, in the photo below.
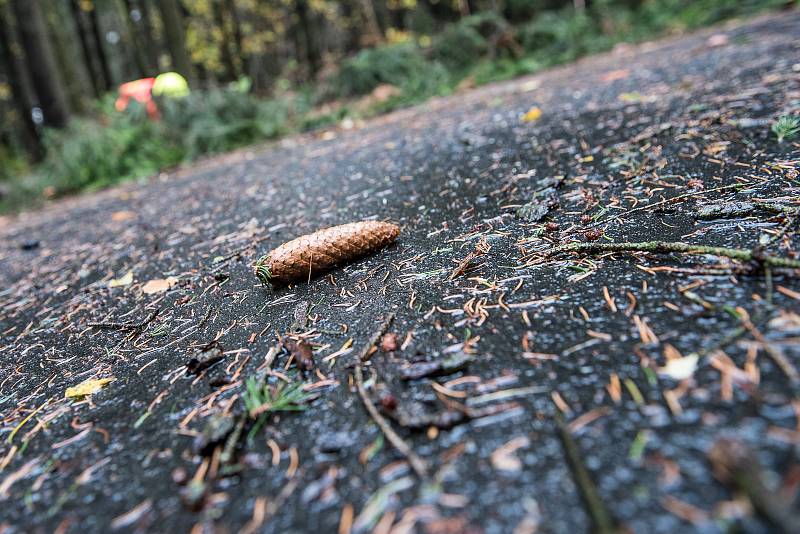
point(533, 114)
point(633, 96)
point(123, 281)
point(87, 387)
point(159, 285)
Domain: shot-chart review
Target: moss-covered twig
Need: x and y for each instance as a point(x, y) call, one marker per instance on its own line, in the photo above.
point(666, 247)
point(678, 198)
point(742, 209)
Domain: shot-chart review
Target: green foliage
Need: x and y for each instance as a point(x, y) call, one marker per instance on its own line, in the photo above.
point(12, 163)
point(488, 71)
point(786, 127)
point(460, 46)
point(660, 15)
point(260, 399)
point(402, 65)
point(93, 153)
point(559, 36)
point(89, 154)
point(465, 43)
point(220, 120)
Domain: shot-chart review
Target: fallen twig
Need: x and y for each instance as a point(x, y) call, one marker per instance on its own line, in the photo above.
point(666, 247)
point(595, 507)
point(127, 326)
point(741, 209)
point(735, 464)
point(417, 464)
point(667, 201)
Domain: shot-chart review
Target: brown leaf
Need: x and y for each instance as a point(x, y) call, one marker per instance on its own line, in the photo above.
point(303, 354)
point(124, 215)
point(389, 342)
point(504, 458)
point(159, 285)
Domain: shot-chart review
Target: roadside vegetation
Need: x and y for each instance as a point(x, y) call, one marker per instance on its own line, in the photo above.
point(109, 147)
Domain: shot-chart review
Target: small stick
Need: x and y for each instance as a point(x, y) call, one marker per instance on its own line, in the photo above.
point(127, 326)
point(596, 508)
point(417, 464)
point(669, 201)
point(736, 464)
point(777, 356)
point(677, 246)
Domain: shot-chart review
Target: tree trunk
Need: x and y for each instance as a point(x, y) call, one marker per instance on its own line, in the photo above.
point(140, 56)
point(176, 42)
point(150, 43)
point(372, 33)
point(228, 61)
point(86, 48)
point(238, 38)
point(102, 59)
point(42, 67)
point(68, 57)
point(13, 69)
point(309, 43)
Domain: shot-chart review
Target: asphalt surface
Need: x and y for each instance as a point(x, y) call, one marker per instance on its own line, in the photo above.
point(596, 386)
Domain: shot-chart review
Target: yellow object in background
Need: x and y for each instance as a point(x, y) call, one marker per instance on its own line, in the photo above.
point(171, 84)
point(533, 114)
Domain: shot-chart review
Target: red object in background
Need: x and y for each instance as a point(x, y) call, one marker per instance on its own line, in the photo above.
point(142, 92)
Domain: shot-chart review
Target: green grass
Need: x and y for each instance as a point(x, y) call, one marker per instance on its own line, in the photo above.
point(262, 270)
point(113, 147)
point(263, 400)
point(786, 127)
point(260, 399)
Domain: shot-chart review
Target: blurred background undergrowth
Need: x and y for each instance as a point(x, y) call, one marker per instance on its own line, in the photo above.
point(259, 70)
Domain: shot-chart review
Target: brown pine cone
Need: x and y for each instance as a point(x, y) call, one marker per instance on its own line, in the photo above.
point(313, 254)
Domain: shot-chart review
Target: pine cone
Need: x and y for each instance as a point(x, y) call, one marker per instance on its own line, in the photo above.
point(313, 254)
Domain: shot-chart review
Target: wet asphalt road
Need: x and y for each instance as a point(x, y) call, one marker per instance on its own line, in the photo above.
point(584, 338)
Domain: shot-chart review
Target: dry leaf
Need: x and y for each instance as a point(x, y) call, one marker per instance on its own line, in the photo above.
point(87, 387)
point(619, 74)
point(123, 281)
point(123, 215)
point(504, 458)
point(718, 39)
point(680, 368)
point(533, 114)
point(159, 285)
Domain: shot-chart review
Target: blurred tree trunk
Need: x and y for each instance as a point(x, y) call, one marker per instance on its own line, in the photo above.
point(151, 45)
point(228, 61)
point(172, 21)
point(12, 67)
point(69, 57)
point(140, 53)
point(238, 37)
point(41, 62)
point(97, 34)
point(373, 34)
point(86, 48)
point(309, 42)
